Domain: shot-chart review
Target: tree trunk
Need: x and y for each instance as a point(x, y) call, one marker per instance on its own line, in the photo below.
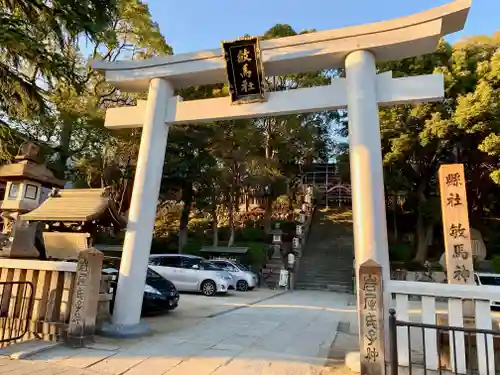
point(231, 218)
point(267, 139)
point(394, 217)
point(64, 147)
point(247, 201)
point(421, 243)
point(237, 199)
point(424, 237)
point(421, 230)
point(215, 229)
point(187, 197)
point(215, 222)
point(268, 215)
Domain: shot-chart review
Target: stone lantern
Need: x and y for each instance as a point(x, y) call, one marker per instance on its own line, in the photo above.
point(309, 195)
point(277, 241)
point(302, 217)
point(296, 246)
point(25, 178)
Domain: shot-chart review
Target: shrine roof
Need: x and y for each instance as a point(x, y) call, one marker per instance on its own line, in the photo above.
point(76, 205)
point(395, 39)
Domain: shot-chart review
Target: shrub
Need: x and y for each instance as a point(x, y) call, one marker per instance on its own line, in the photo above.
point(256, 255)
point(285, 225)
point(164, 245)
point(251, 234)
point(400, 252)
point(495, 263)
point(192, 247)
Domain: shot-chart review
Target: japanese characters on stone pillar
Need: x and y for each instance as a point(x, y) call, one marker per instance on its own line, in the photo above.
point(371, 322)
point(85, 297)
point(458, 248)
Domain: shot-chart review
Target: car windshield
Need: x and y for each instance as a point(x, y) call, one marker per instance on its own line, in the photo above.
point(242, 267)
point(490, 280)
point(209, 266)
point(153, 275)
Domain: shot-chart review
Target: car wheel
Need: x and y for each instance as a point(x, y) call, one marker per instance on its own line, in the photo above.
point(208, 288)
point(242, 286)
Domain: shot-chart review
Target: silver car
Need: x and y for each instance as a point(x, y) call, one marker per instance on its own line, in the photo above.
point(244, 278)
point(191, 273)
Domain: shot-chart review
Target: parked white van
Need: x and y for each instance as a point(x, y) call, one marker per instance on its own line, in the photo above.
point(191, 273)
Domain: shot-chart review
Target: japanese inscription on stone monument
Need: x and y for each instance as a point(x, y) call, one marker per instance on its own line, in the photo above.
point(371, 310)
point(85, 297)
point(459, 263)
point(81, 281)
point(245, 72)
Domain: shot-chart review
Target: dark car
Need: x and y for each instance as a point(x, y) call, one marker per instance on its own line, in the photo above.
point(160, 295)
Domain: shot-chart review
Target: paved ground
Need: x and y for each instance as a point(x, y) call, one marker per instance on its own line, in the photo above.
point(291, 333)
point(194, 308)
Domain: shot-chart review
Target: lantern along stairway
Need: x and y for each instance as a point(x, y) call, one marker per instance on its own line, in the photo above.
point(327, 258)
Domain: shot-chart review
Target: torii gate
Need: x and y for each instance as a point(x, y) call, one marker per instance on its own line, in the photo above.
point(356, 48)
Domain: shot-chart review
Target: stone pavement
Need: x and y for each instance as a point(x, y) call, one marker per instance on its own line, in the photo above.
point(291, 333)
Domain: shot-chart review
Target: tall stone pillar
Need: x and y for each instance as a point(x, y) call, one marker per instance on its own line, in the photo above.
point(367, 179)
point(134, 263)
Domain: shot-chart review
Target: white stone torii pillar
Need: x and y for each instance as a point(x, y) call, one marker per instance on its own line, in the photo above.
point(355, 48)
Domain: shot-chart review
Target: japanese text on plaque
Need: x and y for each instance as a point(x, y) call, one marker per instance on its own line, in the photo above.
point(244, 70)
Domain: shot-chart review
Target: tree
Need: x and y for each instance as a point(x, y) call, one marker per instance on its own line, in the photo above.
point(416, 139)
point(232, 157)
point(75, 123)
point(188, 159)
point(294, 139)
point(33, 40)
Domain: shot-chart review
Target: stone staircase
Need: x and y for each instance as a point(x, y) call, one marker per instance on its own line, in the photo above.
point(327, 259)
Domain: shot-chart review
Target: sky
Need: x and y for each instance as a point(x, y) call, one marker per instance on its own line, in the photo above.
point(192, 25)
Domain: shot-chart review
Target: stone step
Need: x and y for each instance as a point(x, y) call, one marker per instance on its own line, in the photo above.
point(325, 277)
point(325, 281)
point(327, 258)
point(319, 261)
point(324, 274)
point(331, 288)
point(324, 269)
point(344, 253)
point(324, 285)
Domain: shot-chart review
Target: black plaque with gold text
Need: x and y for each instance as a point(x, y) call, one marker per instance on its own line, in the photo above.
point(245, 72)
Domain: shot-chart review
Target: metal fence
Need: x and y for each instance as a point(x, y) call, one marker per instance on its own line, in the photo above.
point(449, 360)
point(16, 304)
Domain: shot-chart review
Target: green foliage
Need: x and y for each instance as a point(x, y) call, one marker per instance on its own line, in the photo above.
point(251, 234)
point(495, 262)
point(256, 255)
point(400, 252)
point(193, 247)
point(464, 128)
point(34, 36)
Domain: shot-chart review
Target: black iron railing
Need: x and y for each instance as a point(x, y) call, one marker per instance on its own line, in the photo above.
point(446, 338)
point(16, 305)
